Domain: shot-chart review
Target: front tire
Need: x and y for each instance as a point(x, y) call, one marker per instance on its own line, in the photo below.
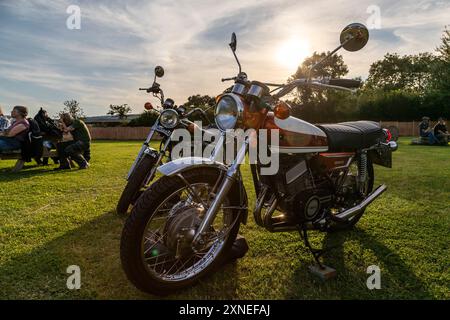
point(134, 184)
point(147, 210)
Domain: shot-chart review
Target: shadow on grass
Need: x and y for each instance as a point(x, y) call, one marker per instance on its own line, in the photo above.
point(94, 247)
point(398, 281)
point(31, 171)
point(6, 174)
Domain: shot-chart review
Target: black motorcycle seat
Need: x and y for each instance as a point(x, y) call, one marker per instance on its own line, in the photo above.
point(351, 136)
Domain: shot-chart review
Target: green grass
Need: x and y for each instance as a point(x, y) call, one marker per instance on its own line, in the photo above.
point(50, 220)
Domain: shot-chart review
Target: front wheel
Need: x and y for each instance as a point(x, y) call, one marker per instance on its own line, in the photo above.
point(135, 183)
point(156, 246)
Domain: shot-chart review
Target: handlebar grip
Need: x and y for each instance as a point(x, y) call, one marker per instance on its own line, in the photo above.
point(346, 83)
point(228, 79)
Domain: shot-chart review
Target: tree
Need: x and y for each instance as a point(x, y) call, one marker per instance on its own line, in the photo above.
point(408, 72)
point(444, 48)
point(204, 102)
point(199, 101)
point(119, 110)
point(333, 67)
point(441, 70)
point(73, 108)
point(146, 119)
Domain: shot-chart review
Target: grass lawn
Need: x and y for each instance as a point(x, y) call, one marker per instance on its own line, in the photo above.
point(50, 220)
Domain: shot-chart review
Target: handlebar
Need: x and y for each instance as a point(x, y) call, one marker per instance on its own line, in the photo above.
point(336, 84)
point(229, 79)
point(202, 112)
point(346, 83)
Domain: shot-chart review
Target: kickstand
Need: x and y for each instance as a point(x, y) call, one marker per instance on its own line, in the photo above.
point(317, 253)
point(321, 270)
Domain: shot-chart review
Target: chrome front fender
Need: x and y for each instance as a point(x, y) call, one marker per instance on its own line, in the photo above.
point(182, 164)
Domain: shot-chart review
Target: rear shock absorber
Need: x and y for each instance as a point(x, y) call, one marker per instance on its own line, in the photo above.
point(362, 170)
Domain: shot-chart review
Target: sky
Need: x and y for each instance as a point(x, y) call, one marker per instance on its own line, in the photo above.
point(118, 44)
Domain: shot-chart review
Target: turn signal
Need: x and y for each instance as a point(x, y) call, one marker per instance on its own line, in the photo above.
point(148, 106)
point(282, 110)
point(388, 135)
point(191, 127)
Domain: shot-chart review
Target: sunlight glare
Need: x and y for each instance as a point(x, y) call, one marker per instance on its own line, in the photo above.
point(292, 52)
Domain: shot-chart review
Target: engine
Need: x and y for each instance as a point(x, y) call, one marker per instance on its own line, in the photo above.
point(305, 197)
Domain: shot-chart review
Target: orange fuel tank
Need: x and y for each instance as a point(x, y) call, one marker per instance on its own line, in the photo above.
point(296, 136)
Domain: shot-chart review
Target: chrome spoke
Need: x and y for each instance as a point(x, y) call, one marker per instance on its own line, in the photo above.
point(166, 219)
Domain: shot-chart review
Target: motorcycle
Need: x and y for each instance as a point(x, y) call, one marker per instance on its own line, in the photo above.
point(143, 169)
point(182, 226)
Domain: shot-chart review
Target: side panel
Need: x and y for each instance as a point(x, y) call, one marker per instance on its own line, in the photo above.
point(334, 160)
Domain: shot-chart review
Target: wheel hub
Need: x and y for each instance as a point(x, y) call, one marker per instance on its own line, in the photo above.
point(180, 230)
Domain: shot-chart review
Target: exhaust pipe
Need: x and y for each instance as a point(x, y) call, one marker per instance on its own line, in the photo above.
point(350, 213)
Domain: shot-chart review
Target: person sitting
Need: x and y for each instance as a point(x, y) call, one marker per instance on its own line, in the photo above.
point(441, 132)
point(50, 131)
point(426, 131)
point(79, 148)
point(16, 134)
point(4, 121)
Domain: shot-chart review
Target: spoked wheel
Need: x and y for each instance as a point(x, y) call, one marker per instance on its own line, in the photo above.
point(353, 194)
point(156, 247)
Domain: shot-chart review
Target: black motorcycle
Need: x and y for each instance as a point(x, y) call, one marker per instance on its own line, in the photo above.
point(144, 167)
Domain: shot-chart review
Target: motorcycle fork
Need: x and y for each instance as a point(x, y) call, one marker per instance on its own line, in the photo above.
point(161, 154)
point(222, 191)
point(144, 147)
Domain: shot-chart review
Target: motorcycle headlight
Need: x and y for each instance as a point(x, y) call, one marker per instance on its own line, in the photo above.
point(169, 118)
point(228, 111)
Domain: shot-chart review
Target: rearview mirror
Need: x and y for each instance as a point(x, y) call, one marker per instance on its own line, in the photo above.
point(159, 71)
point(233, 42)
point(354, 37)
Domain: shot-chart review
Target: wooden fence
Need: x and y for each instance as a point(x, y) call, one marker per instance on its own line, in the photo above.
point(120, 133)
point(140, 133)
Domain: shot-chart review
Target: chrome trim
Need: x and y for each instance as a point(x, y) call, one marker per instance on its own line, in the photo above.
point(350, 213)
point(238, 88)
point(167, 111)
point(240, 109)
point(179, 165)
point(393, 145)
point(255, 91)
point(220, 194)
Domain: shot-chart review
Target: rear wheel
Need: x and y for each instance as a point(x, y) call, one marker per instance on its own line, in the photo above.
point(134, 185)
point(156, 245)
point(356, 196)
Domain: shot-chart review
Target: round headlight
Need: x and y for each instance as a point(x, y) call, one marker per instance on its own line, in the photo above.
point(169, 118)
point(228, 111)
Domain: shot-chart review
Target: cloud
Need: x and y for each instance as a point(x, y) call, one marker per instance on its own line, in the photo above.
point(120, 43)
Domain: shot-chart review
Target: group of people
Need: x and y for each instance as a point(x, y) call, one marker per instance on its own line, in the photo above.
point(437, 134)
point(70, 136)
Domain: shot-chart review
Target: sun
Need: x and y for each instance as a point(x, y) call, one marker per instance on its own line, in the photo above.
point(292, 52)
